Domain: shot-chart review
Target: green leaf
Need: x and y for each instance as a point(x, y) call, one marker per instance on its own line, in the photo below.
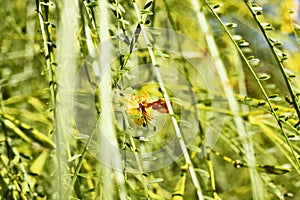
point(202, 172)
point(37, 136)
point(237, 37)
point(145, 174)
point(262, 103)
point(265, 24)
point(292, 76)
point(195, 148)
point(148, 5)
point(146, 12)
point(269, 28)
point(124, 21)
point(156, 180)
point(231, 25)
point(92, 4)
point(280, 54)
point(3, 82)
point(74, 157)
point(184, 123)
point(216, 6)
point(246, 50)
point(284, 57)
point(272, 96)
point(277, 44)
point(288, 194)
point(254, 61)
point(121, 8)
point(84, 175)
point(289, 73)
point(21, 129)
point(9, 124)
point(270, 169)
point(242, 43)
point(149, 158)
point(38, 164)
point(257, 10)
point(250, 57)
point(263, 76)
point(294, 137)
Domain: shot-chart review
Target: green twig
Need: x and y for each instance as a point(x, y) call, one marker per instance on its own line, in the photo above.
point(277, 58)
point(169, 106)
point(258, 81)
point(49, 55)
point(233, 105)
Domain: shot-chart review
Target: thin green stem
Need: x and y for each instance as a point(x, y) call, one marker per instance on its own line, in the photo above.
point(247, 142)
point(107, 129)
point(92, 21)
point(185, 68)
point(48, 51)
point(169, 106)
point(82, 157)
point(256, 79)
point(278, 60)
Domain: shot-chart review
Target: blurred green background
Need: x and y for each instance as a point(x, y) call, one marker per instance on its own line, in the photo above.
point(45, 45)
